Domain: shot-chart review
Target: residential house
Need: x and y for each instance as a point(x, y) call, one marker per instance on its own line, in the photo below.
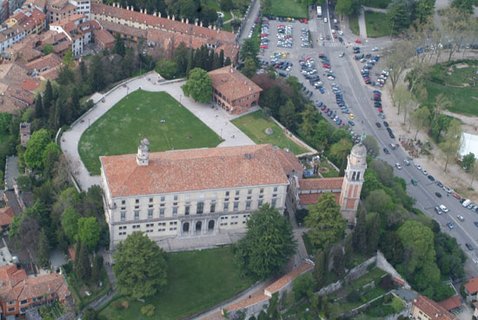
point(233, 91)
point(58, 10)
point(19, 291)
point(6, 217)
point(25, 133)
point(427, 309)
point(471, 290)
point(78, 30)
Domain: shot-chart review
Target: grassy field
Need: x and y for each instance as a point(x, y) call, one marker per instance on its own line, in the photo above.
point(354, 26)
point(460, 85)
point(197, 280)
point(154, 115)
point(287, 8)
point(377, 24)
point(377, 3)
point(254, 126)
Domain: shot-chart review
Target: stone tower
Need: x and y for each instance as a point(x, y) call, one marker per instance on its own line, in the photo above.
point(353, 181)
point(142, 157)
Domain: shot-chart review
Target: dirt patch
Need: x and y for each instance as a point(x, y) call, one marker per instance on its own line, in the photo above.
point(461, 65)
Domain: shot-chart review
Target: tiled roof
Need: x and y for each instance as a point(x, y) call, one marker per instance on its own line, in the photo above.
point(232, 84)
point(104, 37)
point(126, 30)
point(471, 286)
point(312, 198)
point(30, 84)
point(432, 309)
point(51, 74)
point(16, 285)
point(6, 216)
point(44, 63)
point(321, 183)
point(451, 303)
point(194, 169)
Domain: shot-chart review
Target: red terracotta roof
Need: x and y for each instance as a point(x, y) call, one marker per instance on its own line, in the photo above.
point(451, 303)
point(232, 84)
point(312, 198)
point(104, 37)
point(471, 286)
point(194, 169)
point(6, 216)
point(30, 84)
point(44, 63)
point(432, 309)
point(321, 184)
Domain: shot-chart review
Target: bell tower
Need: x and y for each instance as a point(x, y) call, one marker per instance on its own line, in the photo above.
point(353, 181)
point(142, 157)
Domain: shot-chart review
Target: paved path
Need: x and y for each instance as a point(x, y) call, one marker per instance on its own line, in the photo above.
point(374, 9)
point(362, 24)
point(250, 19)
point(215, 118)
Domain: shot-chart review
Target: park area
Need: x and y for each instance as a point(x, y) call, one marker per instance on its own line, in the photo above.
point(458, 81)
point(197, 280)
point(153, 115)
point(255, 124)
point(287, 9)
point(377, 24)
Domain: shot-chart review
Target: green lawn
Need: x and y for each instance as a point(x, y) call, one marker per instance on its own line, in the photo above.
point(197, 280)
point(377, 3)
point(377, 24)
point(288, 8)
point(354, 25)
point(254, 126)
point(137, 116)
point(460, 86)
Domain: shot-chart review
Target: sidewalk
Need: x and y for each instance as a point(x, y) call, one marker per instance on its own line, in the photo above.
point(362, 24)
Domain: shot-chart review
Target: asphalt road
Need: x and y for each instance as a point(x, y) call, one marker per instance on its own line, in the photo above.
point(358, 97)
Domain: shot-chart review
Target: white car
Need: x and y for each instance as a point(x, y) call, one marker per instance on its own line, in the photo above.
point(326, 20)
point(460, 217)
point(419, 167)
point(425, 172)
point(398, 166)
point(443, 208)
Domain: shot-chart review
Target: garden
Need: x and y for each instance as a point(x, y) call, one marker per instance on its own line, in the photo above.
point(255, 124)
point(197, 280)
point(153, 115)
point(286, 8)
point(458, 81)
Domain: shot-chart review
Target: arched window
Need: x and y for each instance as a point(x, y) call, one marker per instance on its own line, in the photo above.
point(186, 227)
point(198, 226)
point(210, 225)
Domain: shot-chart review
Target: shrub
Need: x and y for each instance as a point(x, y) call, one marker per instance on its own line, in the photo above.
point(353, 296)
point(125, 304)
point(148, 310)
point(121, 304)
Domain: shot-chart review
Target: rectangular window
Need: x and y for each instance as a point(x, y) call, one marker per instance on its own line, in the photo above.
point(200, 207)
point(248, 205)
point(150, 199)
point(175, 198)
point(123, 215)
point(175, 211)
point(237, 192)
point(161, 211)
point(23, 301)
point(260, 202)
point(249, 191)
point(136, 201)
point(227, 193)
point(186, 210)
point(150, 213)
point(236, 205)
point(136, 214)
point(226, 206)
point(262, 190)
point(273, 203)
point(11, 309)
point(163, 198)
point(213, 208)
point(123, 202)
point(275, 189)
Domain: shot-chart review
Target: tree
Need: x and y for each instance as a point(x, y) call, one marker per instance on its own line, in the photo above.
point(423, 10)
point(82, 263)
point(287, 115)
point(226, 5)
point(96, 268)
point(319, 268)
point(468, 162)
point(452, 141)
point(47, 49)
point(49, 157)
point(88, 232)
point(373, 232)
point(339, 152)
point(420, 119)
point(360, 232)
point(166, 68)
point(400, 15)
point(140, 266)
point(401, 97)
point(33, 155)
point(249, 49)
point(68, 59)
point(372, 146)
point(119, 47)
point(47, 98)
point(250, 67)
point(464, 6)
point(198, 86)
point(344, 7)
point(397, 59)
point(69, 223)
point(38, 107)
point(441, 103)
point(302, 285)
point(43, 250)
point(268, 244)
point(326, 224)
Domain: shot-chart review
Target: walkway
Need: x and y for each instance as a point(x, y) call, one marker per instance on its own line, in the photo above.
point(362, 24)
point(378, 10)
point(217, 119)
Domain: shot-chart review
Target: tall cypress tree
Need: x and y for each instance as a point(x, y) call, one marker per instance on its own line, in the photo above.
point(221, 58)
point(82, 266)
point(47, 99)
point(43, 250)
point(38, 107)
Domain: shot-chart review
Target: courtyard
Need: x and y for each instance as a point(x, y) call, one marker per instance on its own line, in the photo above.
point(254, 125)
point(154, 115)
point(197, 280)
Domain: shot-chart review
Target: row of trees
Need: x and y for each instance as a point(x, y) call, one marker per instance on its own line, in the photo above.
point(185, 59)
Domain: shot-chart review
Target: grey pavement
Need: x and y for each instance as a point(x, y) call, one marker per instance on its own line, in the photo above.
point(374, 9)
point(362, 24)
point(215, 118)
point(250, 20)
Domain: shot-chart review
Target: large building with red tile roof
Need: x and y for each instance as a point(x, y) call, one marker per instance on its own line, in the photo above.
point(184, 194)
point(18, 291)
point(471, 289)
point(427, 309)
point(165, 33)
point(233, 91)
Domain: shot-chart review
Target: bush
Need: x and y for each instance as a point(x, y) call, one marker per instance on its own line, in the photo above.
point(121, 304)
point(148, 310)
point(353, 296)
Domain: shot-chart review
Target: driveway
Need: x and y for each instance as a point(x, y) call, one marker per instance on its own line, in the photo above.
point(215, 118)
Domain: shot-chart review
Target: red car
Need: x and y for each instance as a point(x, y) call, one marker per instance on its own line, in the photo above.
point(358, 41)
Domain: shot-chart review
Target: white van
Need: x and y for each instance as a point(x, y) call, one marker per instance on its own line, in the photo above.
point(443, 208)
point(466, 203)
point(325, 20)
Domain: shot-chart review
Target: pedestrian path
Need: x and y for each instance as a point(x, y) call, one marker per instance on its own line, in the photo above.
point(215, 118)
point(362, 24)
